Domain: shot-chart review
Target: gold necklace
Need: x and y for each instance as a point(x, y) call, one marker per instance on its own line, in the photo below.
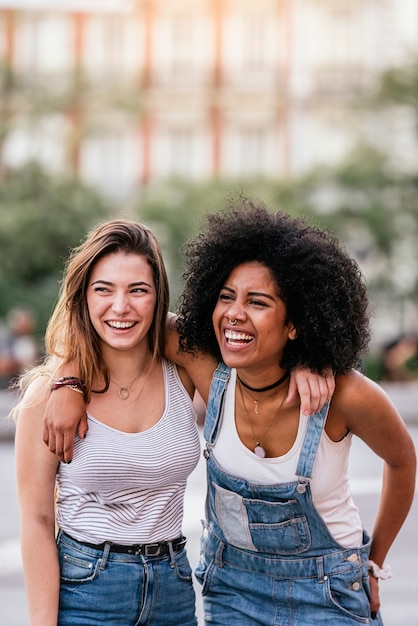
point(246, 388)
point(123, 392)
point(258, 448)
point(256, 402)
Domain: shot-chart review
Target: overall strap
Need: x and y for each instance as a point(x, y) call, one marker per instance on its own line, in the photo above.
point(218, 386)
point(310, 444)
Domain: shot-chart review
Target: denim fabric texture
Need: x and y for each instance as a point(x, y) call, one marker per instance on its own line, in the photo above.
point(267, 557)
point(103, 587)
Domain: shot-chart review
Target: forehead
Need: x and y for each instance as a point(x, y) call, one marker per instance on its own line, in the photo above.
point(252, 276)
point(119, 264)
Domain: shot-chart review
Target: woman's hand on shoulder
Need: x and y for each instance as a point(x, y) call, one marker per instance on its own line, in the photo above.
point(313, 389)
point(65, 414)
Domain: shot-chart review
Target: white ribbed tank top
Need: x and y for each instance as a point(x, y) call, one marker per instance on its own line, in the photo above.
point(129, 487)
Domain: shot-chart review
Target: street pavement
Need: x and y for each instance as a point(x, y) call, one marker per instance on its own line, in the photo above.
point(399, 595)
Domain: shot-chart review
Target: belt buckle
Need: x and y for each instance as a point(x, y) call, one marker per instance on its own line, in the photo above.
point(152, 549)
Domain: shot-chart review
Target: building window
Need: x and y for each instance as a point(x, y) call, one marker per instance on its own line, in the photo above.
point(111, 160)
point(112, 47)
point(43, 45)
point(182, 152)
point(251, 151)
point(43, 141)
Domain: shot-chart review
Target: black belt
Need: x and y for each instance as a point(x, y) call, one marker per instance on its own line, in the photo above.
point(146, 549)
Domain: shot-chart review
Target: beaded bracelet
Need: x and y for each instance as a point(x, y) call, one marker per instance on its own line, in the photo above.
point(72, 382)
point(383, 572)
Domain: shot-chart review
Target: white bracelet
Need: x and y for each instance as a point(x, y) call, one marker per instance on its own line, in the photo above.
point(380, 572)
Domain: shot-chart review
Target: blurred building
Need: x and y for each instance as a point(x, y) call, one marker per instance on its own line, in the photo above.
point(126, 93)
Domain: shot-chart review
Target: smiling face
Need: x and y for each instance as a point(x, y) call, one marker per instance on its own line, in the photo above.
point(256, 341)
point(121, 299)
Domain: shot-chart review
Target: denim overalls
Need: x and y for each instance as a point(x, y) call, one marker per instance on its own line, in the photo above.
point(267, 557)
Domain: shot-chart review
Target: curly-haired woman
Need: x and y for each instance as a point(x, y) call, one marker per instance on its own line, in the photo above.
point(283, 542)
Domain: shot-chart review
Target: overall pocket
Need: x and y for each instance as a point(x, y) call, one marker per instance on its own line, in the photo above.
point(276, 527)
point(348, 591)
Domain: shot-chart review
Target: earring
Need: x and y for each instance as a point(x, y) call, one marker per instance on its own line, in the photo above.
point(232, 322)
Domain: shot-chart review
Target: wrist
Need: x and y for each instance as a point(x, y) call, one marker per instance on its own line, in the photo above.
point(73, 382)
point(382, 573)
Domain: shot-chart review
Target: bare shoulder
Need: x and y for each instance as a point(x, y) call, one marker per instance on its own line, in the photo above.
point(35, 397)
point(361, 405)
point(355, 390)
point(198, 365)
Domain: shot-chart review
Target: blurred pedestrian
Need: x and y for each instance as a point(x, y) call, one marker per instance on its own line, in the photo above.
point(399, 359)
point(19, 350)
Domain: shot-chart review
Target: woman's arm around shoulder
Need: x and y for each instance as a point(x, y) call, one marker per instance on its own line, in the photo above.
point(313, 389)
point(199, 367)
point(65, 414)
point(366, 410)
point(36, 469)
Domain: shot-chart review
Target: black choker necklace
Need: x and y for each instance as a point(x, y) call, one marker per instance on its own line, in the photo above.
point(260, 389)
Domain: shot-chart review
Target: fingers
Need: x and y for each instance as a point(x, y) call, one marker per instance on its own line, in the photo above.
point(374, 597)
point(66, 450)
point(60, 443)
point(82, 427)
point(314, 390)
point(310, 397)
point(329, 379)
point(65, 415)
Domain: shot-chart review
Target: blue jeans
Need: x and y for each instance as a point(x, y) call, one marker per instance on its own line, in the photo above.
point(101, 587)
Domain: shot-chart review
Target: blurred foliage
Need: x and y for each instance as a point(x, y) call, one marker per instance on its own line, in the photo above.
point(41, 217)
point(371, 207)
point(373, 210)
point(174, 210)
point(399, 85)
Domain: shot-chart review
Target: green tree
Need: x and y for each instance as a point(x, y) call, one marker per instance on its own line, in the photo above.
point(399, 85)
point(42, 218)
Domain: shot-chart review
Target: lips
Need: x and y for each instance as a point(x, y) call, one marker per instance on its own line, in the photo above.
point(235, 338)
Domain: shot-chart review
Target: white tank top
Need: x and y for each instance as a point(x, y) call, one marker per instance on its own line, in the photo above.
point(129, 487)
point(331, 490)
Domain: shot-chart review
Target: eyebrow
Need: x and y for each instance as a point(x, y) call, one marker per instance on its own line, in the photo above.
point(251, 293)
point(130, 285)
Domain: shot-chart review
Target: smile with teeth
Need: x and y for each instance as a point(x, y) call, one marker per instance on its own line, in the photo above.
point(122, 325)
point(235, 338)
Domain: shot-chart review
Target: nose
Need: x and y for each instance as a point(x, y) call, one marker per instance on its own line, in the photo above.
point(120, 305)
point(235, 312)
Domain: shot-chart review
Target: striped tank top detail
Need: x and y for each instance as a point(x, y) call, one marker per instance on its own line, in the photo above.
point(129, 487)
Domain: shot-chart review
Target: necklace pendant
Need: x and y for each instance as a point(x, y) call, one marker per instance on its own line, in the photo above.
point(259, 451)
point(124, 393)
point(255, 406)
